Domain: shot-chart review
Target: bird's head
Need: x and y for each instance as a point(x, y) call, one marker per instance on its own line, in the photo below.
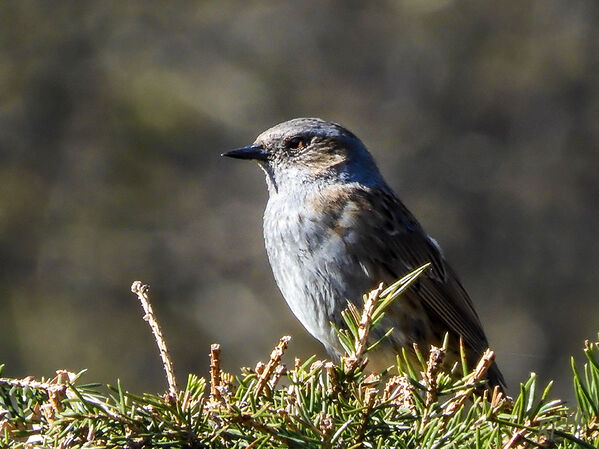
point(309, 150)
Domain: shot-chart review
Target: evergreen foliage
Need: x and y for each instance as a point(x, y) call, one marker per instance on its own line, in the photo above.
point(314, 404)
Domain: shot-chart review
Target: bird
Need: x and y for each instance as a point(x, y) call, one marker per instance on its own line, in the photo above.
point(334, 229)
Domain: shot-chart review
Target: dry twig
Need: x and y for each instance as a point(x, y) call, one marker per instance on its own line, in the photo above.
point(215, 373)
point(55, 388)
point(475, 377)
point(364, 328)
point(435, 360)
point(273, 363)
point(141, 290)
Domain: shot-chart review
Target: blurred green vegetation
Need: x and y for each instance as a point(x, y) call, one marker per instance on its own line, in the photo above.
point(483, 117)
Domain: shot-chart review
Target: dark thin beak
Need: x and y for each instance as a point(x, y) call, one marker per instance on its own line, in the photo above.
point(253, 152)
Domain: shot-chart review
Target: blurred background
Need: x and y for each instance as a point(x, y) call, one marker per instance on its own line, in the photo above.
point(483, 116)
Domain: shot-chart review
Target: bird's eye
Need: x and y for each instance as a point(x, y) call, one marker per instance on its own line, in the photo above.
point(297, 143)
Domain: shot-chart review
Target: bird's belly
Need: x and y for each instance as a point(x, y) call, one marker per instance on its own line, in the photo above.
point(308, 267)
point(306, 296)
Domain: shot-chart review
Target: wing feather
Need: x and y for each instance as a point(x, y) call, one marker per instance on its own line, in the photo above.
point(386, 235)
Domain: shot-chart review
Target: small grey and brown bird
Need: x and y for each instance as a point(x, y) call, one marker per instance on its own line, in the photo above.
point(334, 230)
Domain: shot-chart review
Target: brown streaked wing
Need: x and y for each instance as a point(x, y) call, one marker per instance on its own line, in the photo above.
point(392, 242)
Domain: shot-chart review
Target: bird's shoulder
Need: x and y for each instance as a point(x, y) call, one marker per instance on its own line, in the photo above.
point(374, 222)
